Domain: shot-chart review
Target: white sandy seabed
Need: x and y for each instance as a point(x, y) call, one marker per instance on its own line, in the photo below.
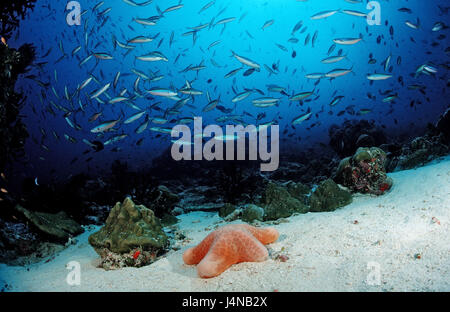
point(399, 242)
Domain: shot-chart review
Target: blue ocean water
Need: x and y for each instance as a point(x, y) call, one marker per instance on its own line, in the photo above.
point(289, 55)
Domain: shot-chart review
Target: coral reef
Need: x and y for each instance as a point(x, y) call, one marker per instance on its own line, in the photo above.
point(328, 197)
point(278, 203)
point(129, 226)
point(228, 245)
point(16, 239)
point(364, 172)
point(13, 132)
point(352, 134)
point(421, 150)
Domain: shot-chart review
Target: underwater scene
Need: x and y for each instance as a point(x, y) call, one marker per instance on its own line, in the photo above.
point(224, 146)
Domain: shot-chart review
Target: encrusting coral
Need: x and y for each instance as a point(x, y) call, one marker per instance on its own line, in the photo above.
point(229, 245)
point(365, 172)
point(328, 197)
point(128, 229)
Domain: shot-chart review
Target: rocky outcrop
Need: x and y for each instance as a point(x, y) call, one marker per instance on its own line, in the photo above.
point(365, 172)
point(421, 150)
point(129, 228)
point(329, 197)
point(58, 227)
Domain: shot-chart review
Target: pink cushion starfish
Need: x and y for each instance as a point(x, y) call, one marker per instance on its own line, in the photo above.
point(228, 245)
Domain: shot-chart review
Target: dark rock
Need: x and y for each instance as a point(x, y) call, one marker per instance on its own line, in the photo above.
point(328, 197)
point(365, 140)
point(168, 219)
point(163, 200)
point(16, 240)
point(422, 150)
point(418, 158)
point(58, 227)
point(443, 125)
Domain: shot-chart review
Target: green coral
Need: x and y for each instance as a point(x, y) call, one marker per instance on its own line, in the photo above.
point(127, 227)
point(299, 191)
point(367, 154)
point(226, 210)
point(252, 213)
point(329, 197)
point(278, 203)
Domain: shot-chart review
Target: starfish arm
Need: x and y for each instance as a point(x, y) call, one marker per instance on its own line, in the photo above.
point(250, 249)
point(195, 254)
point(220, 257)
point(264, 235)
